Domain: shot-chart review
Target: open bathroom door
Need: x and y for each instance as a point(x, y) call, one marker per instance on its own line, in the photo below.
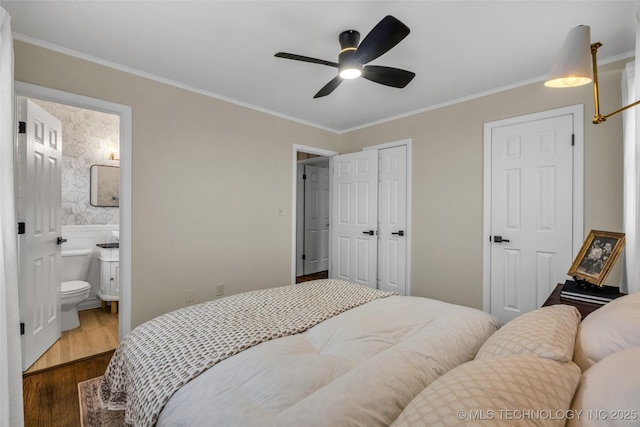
point(39, 209)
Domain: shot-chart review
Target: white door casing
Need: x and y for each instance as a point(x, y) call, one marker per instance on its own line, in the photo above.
point(392, 219)
point(125, 114)
point(316, 219)
point(532, 207)
point(354, 193)
point(40, 205)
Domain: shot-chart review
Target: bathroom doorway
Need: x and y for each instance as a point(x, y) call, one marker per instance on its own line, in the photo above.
point(105, 126)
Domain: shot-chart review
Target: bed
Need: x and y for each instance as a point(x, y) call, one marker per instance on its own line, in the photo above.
point(330, 353)
point(325, 352)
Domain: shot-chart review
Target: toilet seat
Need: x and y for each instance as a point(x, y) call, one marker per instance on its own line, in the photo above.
point(74, 286)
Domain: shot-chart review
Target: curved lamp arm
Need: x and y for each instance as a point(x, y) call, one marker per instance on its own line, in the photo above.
point(597, 117)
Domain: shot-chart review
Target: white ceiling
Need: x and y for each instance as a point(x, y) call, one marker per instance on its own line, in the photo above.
point(458, 49)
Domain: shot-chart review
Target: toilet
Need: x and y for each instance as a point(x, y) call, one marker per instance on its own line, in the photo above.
point(74, 288)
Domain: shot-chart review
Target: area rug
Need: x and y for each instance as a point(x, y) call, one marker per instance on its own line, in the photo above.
point(91, 413)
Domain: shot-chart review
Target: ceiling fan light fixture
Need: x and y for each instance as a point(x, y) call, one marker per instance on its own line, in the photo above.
point(351, 72)
point(354, 56)
point(349, 69)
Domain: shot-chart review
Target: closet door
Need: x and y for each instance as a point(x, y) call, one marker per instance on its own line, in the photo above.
point(531, 212)
point(392, 219)
point(354, 217)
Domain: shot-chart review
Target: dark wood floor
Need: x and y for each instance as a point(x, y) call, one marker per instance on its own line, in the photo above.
point(51, 395)
point(316, 276)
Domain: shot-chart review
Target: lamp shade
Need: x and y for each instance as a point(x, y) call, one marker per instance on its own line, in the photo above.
point(573, 65)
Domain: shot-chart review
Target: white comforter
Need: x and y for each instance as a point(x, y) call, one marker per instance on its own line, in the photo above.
point(361, 367)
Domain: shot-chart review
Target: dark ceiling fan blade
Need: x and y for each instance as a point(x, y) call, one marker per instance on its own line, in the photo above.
point(387, 76)
point(329, 87)
point(305, 59)
point(385, 35)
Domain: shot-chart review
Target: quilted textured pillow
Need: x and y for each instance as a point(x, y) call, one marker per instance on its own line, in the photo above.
point(548, 332)
point(504, 390)
point(609, 389)
point(611, 328)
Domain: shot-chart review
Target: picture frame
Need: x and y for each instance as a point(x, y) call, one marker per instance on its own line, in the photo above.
point(597, 256)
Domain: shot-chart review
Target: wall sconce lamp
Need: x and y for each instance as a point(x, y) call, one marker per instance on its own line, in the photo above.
point(112, 151)
point(573, 68)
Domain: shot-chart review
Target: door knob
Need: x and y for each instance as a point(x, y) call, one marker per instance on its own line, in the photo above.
point(499, 239)
point(370, 232)
point(61, 240)
point(399, 233)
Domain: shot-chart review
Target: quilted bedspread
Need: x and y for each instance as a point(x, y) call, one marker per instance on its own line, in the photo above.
point(160, 356)
point(359, 368)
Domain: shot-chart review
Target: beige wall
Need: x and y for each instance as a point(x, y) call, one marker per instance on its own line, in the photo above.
point(208, 180)
point(448, 178)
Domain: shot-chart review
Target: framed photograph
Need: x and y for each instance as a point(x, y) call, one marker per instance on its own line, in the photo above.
point(596, 257)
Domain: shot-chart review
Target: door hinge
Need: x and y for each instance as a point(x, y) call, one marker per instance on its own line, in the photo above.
point(573, 139)
point(21, 328)
point(304, 176)
point(22, 127)
point(21, 228)
point(304, 256)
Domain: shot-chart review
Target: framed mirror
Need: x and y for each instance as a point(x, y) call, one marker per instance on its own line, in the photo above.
point(105, 186)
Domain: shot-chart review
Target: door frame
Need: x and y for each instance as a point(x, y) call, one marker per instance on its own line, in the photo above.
point(408, 234)
point(124, 112)
point(294, 202)
point(577, 111)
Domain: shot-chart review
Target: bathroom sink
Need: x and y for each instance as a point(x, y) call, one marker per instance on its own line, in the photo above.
point(116, 235)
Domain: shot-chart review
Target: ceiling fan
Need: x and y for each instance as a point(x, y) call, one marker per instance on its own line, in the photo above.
point(353, 57)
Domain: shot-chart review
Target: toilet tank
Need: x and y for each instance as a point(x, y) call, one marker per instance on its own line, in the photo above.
point(75, 264)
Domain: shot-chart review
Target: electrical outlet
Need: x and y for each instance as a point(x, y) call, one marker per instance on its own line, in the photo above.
point(220, 289)
point(190, 295)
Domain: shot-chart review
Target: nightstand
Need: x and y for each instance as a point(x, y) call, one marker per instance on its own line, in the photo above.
point(583, 307)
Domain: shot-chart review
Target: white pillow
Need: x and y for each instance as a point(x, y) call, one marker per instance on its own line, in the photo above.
point(548, 332)
point(609, 392)
point(613, 327)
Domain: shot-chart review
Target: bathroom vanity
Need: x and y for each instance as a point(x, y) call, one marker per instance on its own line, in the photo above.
point(109, 274)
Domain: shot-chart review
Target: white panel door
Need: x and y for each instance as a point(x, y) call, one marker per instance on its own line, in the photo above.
point(316, 219)
point(531, 213)
point(354, 217)
point(39, 207)
point(392, 219)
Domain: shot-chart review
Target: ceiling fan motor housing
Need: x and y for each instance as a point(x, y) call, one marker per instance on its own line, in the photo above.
point(348, 44)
